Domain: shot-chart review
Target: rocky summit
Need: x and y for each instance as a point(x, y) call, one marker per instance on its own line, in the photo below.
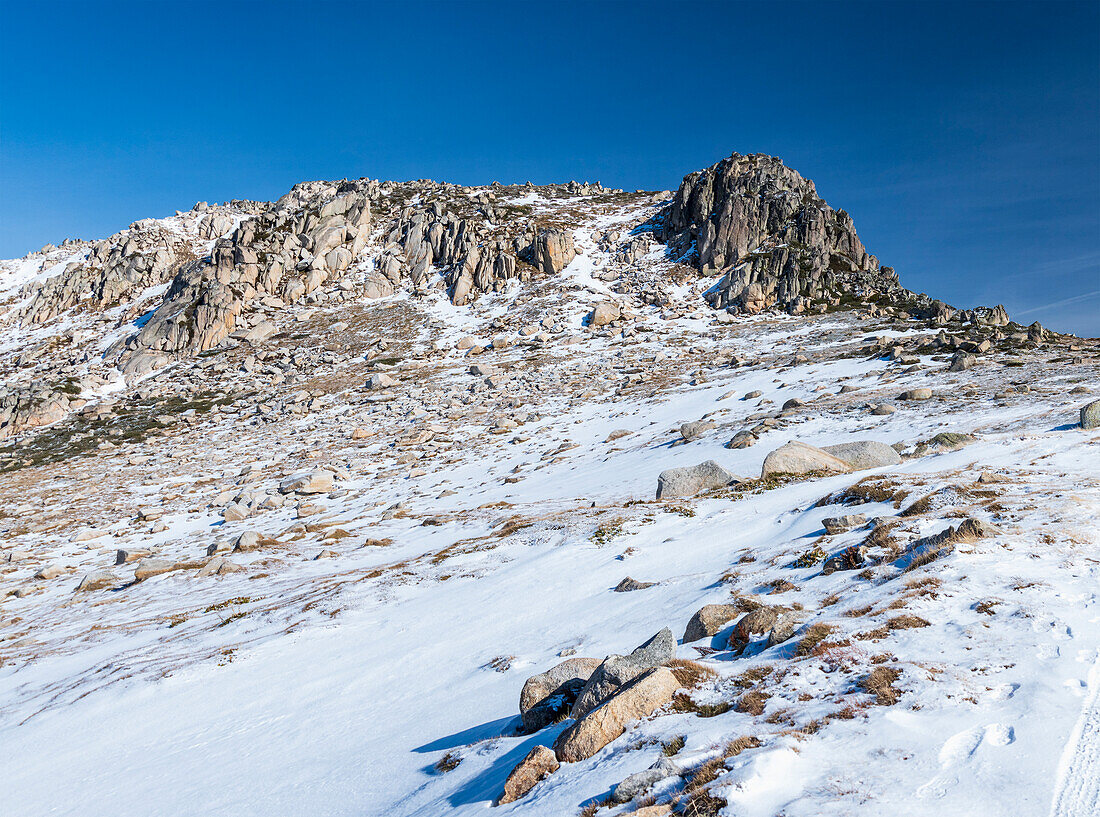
point(394, 498)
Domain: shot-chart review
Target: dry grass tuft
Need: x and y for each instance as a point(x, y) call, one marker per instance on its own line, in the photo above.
point(690, 674)
point(907, 622)
point(781, 586)
point(703, 804)
point(449, 762)
point(879, 682)
point(870, 489)
point(811, 637)
point(673, 747)
point(682, 703)
point(753, 702)
point(752, 676)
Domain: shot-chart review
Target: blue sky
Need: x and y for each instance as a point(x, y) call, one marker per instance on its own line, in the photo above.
point(964, 138)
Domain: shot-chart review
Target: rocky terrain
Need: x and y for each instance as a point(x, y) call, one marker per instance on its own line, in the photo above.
point(416, 499)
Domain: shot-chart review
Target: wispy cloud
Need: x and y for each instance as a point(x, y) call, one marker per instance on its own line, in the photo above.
point(1063, 302)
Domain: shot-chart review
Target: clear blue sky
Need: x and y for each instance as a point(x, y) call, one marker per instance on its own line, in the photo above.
point(964, 138)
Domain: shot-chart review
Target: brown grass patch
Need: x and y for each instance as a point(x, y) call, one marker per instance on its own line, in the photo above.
point(811, 637)
point(684, 703)
point(907, 622)
point(879, 682)
point(753, 676)
point(752, 702)
point(869, 489)
point(690, 674)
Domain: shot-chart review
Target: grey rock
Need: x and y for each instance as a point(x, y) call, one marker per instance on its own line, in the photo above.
point(1090, 415)
point(799, 458)
point(839, 524)
point(708, 620)
point(688, 481)
point(864, 454)
point(638, 784)
point(628, 584)
point(617, 670)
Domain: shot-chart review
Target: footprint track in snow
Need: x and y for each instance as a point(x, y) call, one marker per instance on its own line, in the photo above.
point(959, 749)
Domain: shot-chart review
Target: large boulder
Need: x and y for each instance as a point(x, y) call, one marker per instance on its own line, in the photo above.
point(318, 481)
point(605, 312)
point(709, 619)
point(640, 697)
point(551, 694)
point(617, 670)
point(688, 481)
point(553, 250)
point(863, 454)
point(799, 458)
point(1090, 415)
point(752, 624)
point(539, 763)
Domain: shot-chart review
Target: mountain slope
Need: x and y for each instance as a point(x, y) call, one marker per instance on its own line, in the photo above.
point(301, 494)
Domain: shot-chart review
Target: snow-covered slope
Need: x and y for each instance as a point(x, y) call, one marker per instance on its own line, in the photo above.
point(310, 569)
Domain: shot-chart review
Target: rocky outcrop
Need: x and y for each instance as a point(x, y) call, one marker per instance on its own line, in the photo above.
point(775, 242)
point(553, 250)
point(617, 670)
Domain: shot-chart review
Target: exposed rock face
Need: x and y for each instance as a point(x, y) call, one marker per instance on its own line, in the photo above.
point(640, 697)
point(553, 250)
point(777, 243)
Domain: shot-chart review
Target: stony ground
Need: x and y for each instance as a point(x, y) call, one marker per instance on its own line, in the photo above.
point(314, 570)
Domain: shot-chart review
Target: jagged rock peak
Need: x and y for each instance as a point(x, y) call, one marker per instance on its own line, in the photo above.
point(764, 228)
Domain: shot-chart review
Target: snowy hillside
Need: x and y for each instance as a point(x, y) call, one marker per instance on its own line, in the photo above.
point(299, 496)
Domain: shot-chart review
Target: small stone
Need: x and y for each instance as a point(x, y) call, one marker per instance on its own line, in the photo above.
point(97, 580)
point(916, 394)
point(125, 555)
point(540, 763)
point(840, 524)
point(48, 572)
point(318, 481)
point(605, 313)
point(628, 584)
point(147, 568)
